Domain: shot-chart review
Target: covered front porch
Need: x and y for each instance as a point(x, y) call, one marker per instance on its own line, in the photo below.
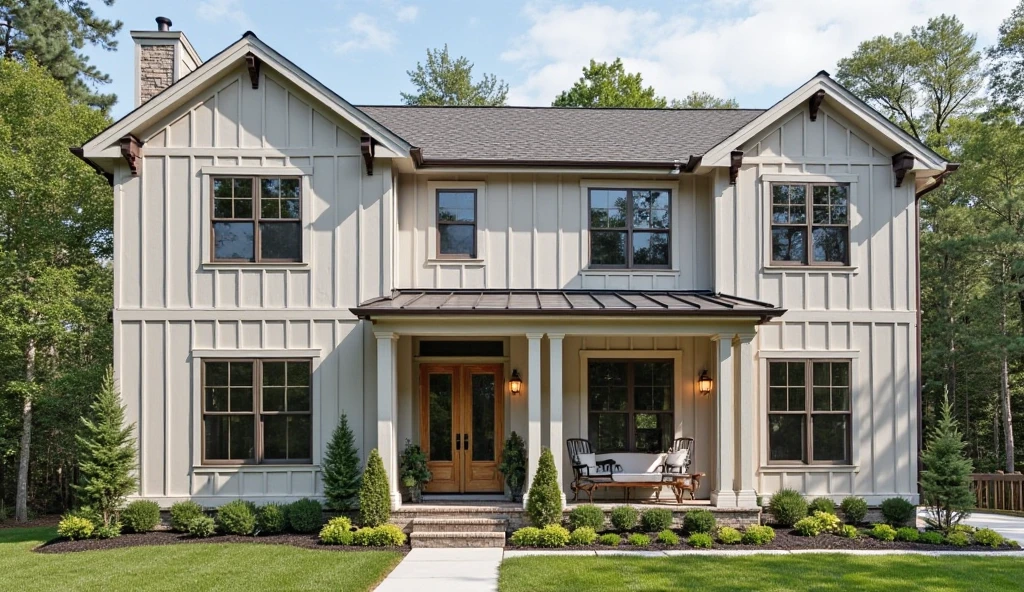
point(617, 369)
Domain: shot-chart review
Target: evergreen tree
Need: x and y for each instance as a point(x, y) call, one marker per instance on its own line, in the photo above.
point(447, 81)
point(374, 496)
point(704, 100)
point(107, 458)
point(544, 505)
point(341, 468)
point(609, 85)
point(946, 477)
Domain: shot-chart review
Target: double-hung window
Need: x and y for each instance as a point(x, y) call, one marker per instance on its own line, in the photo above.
point(257, 219)
point(630, 228)
point(810, 223)
point(456, 223)
point(809, 411)
point(257, 411)
point(630, 405)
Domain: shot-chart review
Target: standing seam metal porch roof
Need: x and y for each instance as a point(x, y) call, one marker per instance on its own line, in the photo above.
point(662, 303)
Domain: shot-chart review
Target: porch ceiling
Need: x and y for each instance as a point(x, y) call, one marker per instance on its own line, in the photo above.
point(654, 303)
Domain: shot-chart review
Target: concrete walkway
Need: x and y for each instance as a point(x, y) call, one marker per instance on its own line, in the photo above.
point(449, 570)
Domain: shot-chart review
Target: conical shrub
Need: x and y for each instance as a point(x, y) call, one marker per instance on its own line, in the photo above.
point(374, 499)
point(544, 505)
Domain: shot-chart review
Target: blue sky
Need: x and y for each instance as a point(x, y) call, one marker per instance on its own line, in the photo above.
point(753, 50)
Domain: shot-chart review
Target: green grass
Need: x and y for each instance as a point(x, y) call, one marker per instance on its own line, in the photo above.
point(892, 573)
point(200, 566)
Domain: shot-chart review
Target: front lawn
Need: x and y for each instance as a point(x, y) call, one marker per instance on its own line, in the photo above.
point(890, 573)
point(198, 566)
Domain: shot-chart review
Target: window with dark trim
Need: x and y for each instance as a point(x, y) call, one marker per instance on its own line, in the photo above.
point(456, 223)
point(630, 405)
point(809, 411)
point(630, 228)
point(257, 411)
point(257, 219)
point(810, 223)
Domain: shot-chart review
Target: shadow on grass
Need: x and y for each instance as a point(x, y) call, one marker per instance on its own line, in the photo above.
point(42, 534)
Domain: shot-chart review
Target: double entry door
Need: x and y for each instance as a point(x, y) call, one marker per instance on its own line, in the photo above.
point(461, 428)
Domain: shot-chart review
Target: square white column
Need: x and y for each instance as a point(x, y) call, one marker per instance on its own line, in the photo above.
point(555, 403)
point(724, 494)
point(532, 408)
point(746, 496)
point(387, 406)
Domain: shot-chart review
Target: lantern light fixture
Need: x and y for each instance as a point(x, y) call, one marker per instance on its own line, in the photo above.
point(704, 383)
point(515, 384)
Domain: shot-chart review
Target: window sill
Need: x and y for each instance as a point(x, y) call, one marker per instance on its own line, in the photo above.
point(252, 468)
point(231, 266)
point(455, 260)
point(802, 468)
point(628, 271)
point(848, 269)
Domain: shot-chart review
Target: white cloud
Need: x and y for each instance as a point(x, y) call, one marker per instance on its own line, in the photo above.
point(219, 11)
point(406, 14)
point(364, 33)
point(734, 48)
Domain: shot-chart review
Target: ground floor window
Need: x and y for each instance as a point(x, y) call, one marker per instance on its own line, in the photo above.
point(257, 411)
point(809, 411)
point(630, 405)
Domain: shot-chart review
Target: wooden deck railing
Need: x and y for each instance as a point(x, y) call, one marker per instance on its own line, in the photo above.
point(998, 491)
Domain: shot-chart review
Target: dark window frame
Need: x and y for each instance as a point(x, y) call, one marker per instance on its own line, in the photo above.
point(808, 412)
point(631, 411)
point(256, 219)
point(257, 414)
point(628, 229)
point(439, 223)
point(809, 225)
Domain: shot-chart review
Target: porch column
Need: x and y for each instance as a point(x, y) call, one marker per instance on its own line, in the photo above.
point(746, 497)
point(724, 494)
point(532, 408)
point(387, 405)
point(555, 403)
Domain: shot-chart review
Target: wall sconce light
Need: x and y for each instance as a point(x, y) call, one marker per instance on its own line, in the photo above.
point(515, 384)
point(704, 383)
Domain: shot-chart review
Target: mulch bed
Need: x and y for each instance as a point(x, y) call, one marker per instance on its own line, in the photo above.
point(304, 541)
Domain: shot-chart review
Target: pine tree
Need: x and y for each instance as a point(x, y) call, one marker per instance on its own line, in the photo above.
point(107, 459)
point(544, 505)
point(946, 477)
point(374, 496)
point(341, 468)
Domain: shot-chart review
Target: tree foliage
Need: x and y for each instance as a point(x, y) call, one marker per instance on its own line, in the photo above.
point(447, 81)
point(703, 100)
point(946, 474)
point(609, 85)
point(54, 33)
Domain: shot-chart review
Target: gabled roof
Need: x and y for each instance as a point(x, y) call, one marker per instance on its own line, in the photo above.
point(231, 57)
point(550, 135)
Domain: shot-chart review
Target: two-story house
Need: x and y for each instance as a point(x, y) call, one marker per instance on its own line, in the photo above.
point(448, 275)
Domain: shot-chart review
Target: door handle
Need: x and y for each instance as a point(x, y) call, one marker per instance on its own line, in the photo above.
point(465, 441)
point(458, 441)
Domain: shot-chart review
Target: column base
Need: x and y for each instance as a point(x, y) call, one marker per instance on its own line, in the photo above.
point(724, 499)
point(396, 500)
point(746, 498)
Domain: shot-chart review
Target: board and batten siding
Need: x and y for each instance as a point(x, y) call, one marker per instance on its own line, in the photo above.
point(170, 302)
point(865, 312)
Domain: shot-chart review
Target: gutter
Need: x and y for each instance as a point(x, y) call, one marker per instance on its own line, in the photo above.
point(673, 167)
point(939, 179)
point(80, 153)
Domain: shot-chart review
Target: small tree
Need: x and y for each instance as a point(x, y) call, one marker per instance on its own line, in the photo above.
point(946, 475)
point(544, 505)
point(341, 468)
point(513, 465)
point(107, 459)
point(374, 499)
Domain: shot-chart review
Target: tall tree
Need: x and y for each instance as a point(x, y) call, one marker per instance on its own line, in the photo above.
point(446, 81)
point(1007, 62)
point(920, 80)
point(609, 85)
point(703, 100)
point(55, 228)
point(53, 33)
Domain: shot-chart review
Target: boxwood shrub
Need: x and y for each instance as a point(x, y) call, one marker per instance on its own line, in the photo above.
point(931, 537)
point(849, 531)
point(667, 537)
point(787, 506)
point(624, 517)
point(141, 516)
point(271, 518)
point(609, 540)
point(337, 531)
point(821, 504)
point(728, 535)
point(587, 515)
point(73, 527)
point(305, 515)
point(701, 540)
point(182, 513)
point(758, 535)
point(582, 536)
point(525, 537)
point(655, 519)
point(883, 532)
point(987, 536)
point(237, 517)
point(201, 526)
point(639, 540)
point(898, 512)
point(907, 534)
point(702, 521)
point(854, 508)
point(107, 531)
point(387, 535)
point(958, 539)
point(552, 536)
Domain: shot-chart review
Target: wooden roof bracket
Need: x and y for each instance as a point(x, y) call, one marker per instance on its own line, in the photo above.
point(901, 163)
point(252, 63)
point(735, 160)
point(131, 151)
point(814, 103)
point(367, 146)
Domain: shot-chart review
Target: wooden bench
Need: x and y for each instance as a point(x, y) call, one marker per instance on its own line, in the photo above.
point(678, 482)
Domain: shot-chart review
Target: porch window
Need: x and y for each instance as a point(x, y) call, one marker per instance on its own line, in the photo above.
point(257, 411)
point(257, 219)
point(809, 411)
point(810, 223)
point(630, 228)
point(456, 223)
point(630, 405)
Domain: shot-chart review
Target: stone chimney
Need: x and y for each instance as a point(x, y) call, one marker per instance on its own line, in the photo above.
point(162, 57)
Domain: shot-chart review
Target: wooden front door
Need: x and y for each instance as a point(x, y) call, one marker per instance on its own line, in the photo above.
point(461, 428)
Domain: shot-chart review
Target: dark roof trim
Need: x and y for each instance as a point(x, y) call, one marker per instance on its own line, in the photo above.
point(939, 179)
point(669, 166)
point(77, 151)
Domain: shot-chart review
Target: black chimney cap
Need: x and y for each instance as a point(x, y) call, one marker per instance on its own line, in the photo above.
point(163, 23)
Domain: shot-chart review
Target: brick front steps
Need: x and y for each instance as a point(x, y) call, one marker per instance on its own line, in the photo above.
point(458, 532)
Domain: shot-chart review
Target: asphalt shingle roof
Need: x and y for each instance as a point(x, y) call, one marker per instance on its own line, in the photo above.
point(560, 134)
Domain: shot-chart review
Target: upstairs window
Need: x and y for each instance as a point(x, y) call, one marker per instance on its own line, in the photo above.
point(257, 219)
point(456, 223)
point(630, 228)
point(810, 224)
